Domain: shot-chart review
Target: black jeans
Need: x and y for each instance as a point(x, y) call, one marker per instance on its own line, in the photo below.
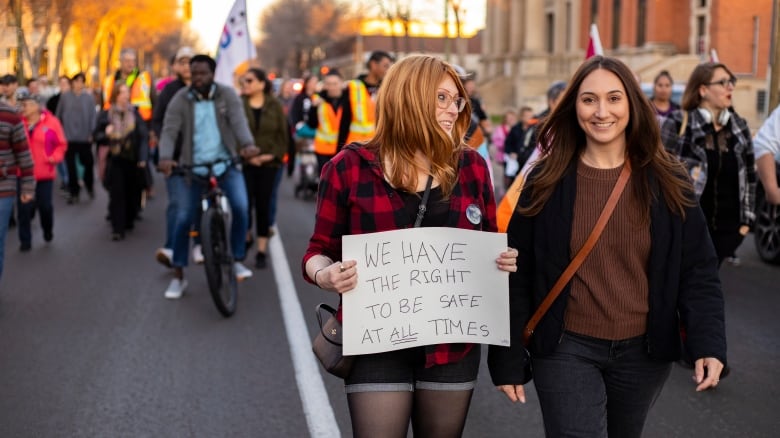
point(259, 186)
point(83, 151)
point(43, 204)
point(124, 191)
point(598, 388)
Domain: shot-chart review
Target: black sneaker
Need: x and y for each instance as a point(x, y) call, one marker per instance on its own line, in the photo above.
point(47, 236)
point(25, 247)
point(260, 260)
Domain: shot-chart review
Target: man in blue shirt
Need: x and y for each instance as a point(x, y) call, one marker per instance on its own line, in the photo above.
point(210, 120)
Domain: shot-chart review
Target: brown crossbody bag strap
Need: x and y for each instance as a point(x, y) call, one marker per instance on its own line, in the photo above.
point(581, 255)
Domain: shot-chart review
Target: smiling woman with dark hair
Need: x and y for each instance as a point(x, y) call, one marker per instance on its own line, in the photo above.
point(604, 349)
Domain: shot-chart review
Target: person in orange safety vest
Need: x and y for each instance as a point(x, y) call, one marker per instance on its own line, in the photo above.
point(362, 98)
point(140, 83)
point(326, 115)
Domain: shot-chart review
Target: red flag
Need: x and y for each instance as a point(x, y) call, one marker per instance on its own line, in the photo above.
point(594, 43)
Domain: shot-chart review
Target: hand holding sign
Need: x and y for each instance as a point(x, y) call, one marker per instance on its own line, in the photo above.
point(337, 277)
point(423, 286)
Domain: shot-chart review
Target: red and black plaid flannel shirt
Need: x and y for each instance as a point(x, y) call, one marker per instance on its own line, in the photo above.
point(355, 198)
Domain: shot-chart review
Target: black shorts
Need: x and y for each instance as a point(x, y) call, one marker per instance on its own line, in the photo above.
point(404, 370)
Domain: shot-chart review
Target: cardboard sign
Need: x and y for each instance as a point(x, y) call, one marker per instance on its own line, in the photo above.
point(423, 286)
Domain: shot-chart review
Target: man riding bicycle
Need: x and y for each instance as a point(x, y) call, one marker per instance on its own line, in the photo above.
point(210, 119)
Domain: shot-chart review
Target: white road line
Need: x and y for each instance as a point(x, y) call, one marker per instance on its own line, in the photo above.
point(316, 405)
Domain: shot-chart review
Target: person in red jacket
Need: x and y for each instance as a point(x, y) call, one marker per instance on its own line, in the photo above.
point(47, 146)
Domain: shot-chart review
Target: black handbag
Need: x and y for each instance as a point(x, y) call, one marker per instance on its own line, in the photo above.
point(327, 345)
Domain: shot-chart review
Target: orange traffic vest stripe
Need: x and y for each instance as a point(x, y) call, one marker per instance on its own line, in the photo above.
point(508, 204)
point(363, 123)
point(326, 138)
point(140, 93)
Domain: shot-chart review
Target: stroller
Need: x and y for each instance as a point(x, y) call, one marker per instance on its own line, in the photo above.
point(308, 171)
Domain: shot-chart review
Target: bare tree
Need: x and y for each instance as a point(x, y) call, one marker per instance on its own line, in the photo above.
point(297, 33)
point(33, 23)
point(64, 10)
point(457, 10)
point(397, 11)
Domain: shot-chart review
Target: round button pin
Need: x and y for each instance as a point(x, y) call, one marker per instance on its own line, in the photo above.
point(474, 214)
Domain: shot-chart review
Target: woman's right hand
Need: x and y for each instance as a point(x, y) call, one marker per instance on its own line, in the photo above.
point(338, 277)
point(514, 393)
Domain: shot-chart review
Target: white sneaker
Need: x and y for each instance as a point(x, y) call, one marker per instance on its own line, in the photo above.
point(242, 273)
point(164, 256)
point(197, 254)
point(175, 289)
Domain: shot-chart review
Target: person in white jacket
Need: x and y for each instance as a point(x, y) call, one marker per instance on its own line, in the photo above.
point(766, 148)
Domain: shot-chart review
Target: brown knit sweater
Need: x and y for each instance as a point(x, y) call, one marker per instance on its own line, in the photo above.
point(609, 292)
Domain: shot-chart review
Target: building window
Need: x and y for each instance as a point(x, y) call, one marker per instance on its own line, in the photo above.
point(761, 101)
point(702, 3)
point(594, 10)
point(701, 30)
point(616, 7)
point(641, 23)
point(550, 18)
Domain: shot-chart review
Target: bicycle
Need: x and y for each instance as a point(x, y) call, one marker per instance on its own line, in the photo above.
point(215, 238)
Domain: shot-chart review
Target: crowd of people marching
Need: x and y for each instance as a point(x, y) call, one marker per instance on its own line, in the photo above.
point(418, 127)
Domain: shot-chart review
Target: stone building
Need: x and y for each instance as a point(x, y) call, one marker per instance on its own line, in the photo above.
point(530, 43)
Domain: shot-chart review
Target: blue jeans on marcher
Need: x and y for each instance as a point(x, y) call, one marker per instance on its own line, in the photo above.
point(170, 217)
point(597, 388)
point(6, 208)
point(187, 191)
point(43, 204)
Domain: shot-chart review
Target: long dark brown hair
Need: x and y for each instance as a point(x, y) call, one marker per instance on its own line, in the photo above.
point(701, 75)
point(406, 122)
point(562, 141)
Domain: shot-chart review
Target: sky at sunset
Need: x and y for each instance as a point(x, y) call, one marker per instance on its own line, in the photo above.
point(208, 16)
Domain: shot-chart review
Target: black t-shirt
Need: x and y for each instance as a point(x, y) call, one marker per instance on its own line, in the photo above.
point(436, 211)
point(720, 199)
point(257, 113)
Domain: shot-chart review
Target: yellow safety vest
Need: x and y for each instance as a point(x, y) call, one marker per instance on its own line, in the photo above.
point(363, 123)
point(140, 92)
point(326, 137)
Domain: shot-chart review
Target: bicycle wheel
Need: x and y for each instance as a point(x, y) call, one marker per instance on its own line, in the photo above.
point(218, 262)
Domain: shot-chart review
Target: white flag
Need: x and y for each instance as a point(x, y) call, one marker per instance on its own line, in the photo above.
point(235, 45)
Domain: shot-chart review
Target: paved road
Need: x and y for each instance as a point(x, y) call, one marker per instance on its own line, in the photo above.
point(90, 348)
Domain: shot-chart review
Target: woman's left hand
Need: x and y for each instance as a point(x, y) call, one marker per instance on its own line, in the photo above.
point(141, 164)
point(714, 368)
point(259, 160)
point(507, 260)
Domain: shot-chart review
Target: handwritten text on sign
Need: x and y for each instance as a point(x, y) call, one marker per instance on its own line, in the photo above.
point(423, 286)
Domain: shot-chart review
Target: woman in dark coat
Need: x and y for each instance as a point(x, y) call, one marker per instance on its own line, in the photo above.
point(270, 131)
point(124, 133)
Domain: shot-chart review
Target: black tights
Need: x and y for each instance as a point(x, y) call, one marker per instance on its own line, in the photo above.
point(386, 414)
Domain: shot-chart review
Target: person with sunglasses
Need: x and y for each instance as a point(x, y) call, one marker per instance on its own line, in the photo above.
point(715, 145)
point(422, 116)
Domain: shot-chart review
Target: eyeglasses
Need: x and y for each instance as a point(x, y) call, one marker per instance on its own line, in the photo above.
point(724, 82)
point(248, 80)
point(444, 100)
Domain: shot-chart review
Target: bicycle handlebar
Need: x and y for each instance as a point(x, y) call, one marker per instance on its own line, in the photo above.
point(210, 164)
